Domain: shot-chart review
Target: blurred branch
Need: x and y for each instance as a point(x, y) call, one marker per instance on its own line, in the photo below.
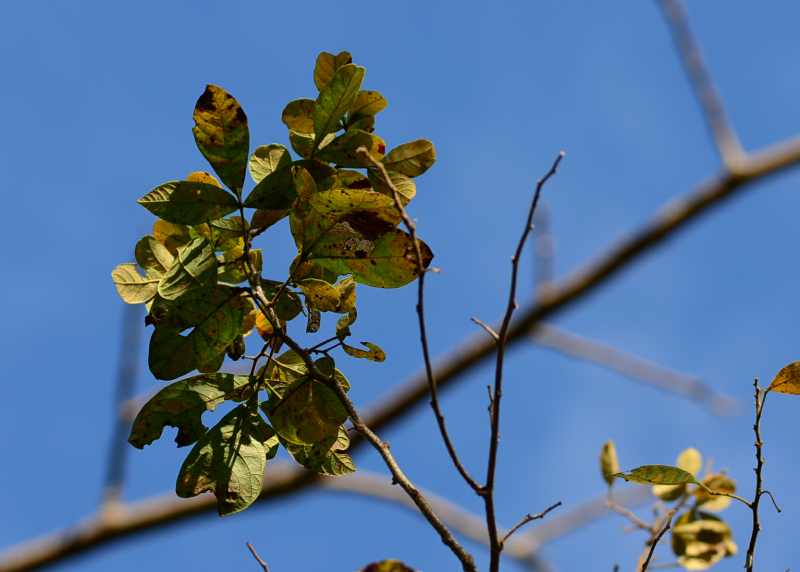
point(728, 146)
point(666, 223)
point(632, 367)
point(258, 558)
point(127, 366)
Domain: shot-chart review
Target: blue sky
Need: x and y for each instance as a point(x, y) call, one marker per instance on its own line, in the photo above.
point(98, 99)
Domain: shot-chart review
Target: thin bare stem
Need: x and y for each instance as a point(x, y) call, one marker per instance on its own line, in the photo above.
point(654, 543)
point(258, 558)
point(423, 335)
point(497, 396)
point(486, 327)
point(525, 520)
point(760, 397)
point(727, 143)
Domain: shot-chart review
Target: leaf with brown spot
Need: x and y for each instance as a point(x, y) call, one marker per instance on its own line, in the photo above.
point(229, 461)
point(411, 159)
point(222, 135)
point(326, 66)
point(188, 202)
point(788, 380)
point(182, 404)
point(267, 159)
point(372, 353)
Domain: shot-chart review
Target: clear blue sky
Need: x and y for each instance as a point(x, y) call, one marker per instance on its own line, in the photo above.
point(97, 101)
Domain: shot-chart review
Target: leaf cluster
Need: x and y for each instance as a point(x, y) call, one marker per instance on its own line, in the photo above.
point(207, 287)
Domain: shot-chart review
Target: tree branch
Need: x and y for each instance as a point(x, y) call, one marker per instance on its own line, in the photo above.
point(665, 224)
point(722, 133)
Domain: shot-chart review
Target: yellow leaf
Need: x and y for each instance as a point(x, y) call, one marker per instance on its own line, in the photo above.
point(787, 380)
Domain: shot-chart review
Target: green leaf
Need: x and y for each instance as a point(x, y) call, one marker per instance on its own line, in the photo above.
point(787, 380)
point(182, 404)
point(367, 103)
point(267, 159)
point(658, 475)
point(326, 458)
point(335, 99)
point(152, 255)
point(298, 115)
point(691, 461)
point(609, 465)
point(216, 315)
point(386, 261)
point(275, 191)
point(326, 66)
point(229, 461)
point(195, 266)
point(342, 150)
point(309, 412)
point(387, 566)
point(374, 353)
point(132, 287)
point(288, 305)
point(188, 202)
point(411, 159)
point(222, 136)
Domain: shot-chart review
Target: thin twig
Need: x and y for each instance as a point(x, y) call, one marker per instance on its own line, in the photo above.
point(760, 397)
point(632, 366)
point(666, 223)
point(258, 558)
point(423, 335)
point(486, 327)
point(655, 542)
point(127, 367)
point(525, 520)
point(497, 396)
point(728, 146)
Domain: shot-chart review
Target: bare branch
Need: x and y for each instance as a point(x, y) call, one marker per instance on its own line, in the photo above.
point(526, 519)
point(154, 513)
point(728, 146)
point(632, 367)
point(760, 397)
point(654, 542)
point(423, 335)
point(258, 558)
point(486, 327)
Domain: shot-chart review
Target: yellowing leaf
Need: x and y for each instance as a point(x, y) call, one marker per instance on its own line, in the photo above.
point(222, 135)
point(187, 202)
point(342, 150)
point(298, 115)
point(326, 66)
point(700, 540)
point(387, 566)
point(411, 159)
point(374, 353)
point(658, 475)
point(172, 236)
point(787, 380)
point(335, 99)
point(368, 103)
point(132, 287)
point(267, 159)
point(718, 483)
point(690, 460)
point(609, 465)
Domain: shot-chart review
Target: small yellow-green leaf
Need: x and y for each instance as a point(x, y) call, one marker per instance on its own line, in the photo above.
point(320, 295)
point(342, 150)
point(309, 412)
point(609, 465)
point(222, 136)
point(326, 66)
point(229, 461)
point(411, 159)
point(690, 460)
point(658, 475)
point(335, 99)
point(182, 404)
point(267, 159)
point(188, 202)
point(374, 353)
point(298, 115)
point(368, 103)
point(787, 380)
point(132, 287)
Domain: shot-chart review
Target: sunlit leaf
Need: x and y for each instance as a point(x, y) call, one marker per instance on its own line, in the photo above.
point(373, 353)
point(343, 324)
point(367, 103)
point(309, 412)
point(187, 202)
point(203, 177)
point(609, 465)
point(326, 66)
point(152, 255)
point(195, 266)
point(658, 475)
point(267, 159)
point(691, 461)
point(222, 136)
point(787, 380)
point(172, 236)
point(229, 461)
point(298, 115)
point(406, 187)
point(132, 287)
point(182, 404)
point(328, 457)
point(387, 566)
point(335, 99)
point(411, 159)
point(342, 150)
